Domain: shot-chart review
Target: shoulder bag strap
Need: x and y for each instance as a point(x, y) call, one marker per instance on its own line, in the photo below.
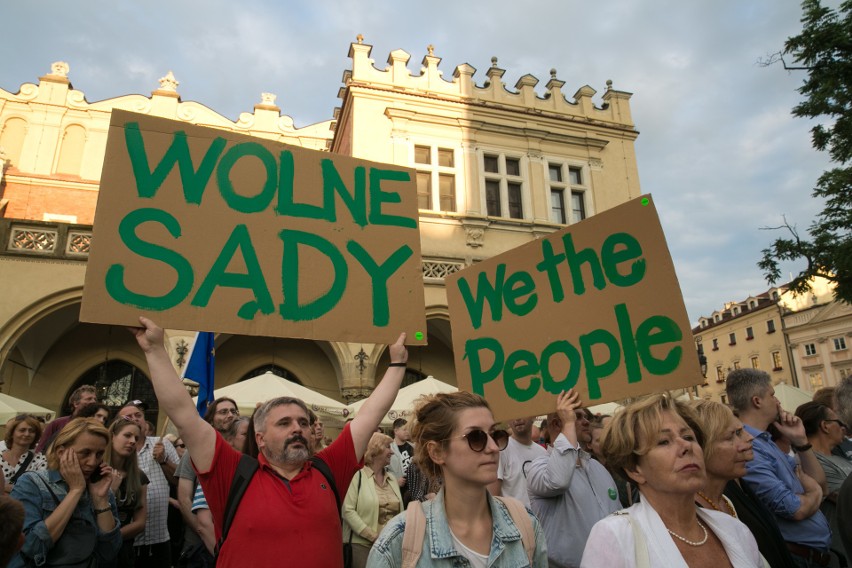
point(640, 544)
point(414, 534)
point(23, 468)
point(245, 471)
point(323, 468)
point(357, 497)
point(522, 520)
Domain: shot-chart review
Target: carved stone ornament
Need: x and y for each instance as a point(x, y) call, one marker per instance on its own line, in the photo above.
point(268, 98)
point(169, 83)
point(59, 68)
point(475, 237)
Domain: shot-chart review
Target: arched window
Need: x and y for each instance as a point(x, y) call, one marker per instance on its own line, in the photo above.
point(71, 150)
point(275, 370)
point(118, 382)
point(12, 139)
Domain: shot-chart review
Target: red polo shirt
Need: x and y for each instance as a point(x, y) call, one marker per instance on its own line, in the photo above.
point(276, 525)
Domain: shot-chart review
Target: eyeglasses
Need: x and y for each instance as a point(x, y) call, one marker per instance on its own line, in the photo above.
point(180, 445)
point(477, 439)
point(226, 411)
point(839, 423)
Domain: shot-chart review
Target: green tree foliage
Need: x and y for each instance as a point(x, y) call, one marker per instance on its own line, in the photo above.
point(824, 51)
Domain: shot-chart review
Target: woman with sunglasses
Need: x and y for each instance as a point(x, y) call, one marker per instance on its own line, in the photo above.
point(372, 500)
point(825, 432)
point(456, 438)
point(17, 450)
point(130, 485)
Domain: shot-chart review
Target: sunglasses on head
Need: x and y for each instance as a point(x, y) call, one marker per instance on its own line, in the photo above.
point(477, 439)
point(25, 416)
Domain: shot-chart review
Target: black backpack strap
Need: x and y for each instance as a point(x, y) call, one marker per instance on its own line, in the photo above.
point(245, 471)
point(23, 468)
point(323, 468)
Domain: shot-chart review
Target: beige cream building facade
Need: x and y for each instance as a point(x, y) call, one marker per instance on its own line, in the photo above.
point(498, 165)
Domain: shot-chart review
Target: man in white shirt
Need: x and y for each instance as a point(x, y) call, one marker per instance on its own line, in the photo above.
point(515, 461)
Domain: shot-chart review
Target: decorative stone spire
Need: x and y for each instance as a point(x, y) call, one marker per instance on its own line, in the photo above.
point(267, 102)
point(169, 83)
point(431, 49)
point(359, 38)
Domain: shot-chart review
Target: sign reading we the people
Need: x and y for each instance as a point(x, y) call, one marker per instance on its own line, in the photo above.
point(200, 228)
point(595, 306)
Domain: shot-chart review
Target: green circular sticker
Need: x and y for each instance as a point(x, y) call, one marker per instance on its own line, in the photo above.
point(418, 335)
point(613, 494)
point(645, 201)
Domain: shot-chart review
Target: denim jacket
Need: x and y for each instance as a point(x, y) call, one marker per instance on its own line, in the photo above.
point(39, 504)
point(507, 548)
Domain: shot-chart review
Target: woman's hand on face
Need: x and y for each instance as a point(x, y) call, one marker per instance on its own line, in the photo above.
point(101, 488)
point(69, 469)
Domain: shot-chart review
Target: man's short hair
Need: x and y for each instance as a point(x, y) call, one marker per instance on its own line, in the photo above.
point(90, 410)
point(79, 391)
point(399, 423)
point(843, 392)
point(214, 406)
point(11, 527)
point(742, 384)
point(262, 411)
point(312, 417)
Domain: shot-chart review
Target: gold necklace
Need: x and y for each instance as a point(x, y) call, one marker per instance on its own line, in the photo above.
point(691, 542)
point(728, 506)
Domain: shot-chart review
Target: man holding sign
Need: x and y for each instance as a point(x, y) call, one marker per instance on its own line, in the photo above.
point(288, 507)
point(569, 491)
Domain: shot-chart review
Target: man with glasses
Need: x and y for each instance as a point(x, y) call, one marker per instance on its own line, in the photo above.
point(793, 492)
point(569, 492)
point(158, 459)
point(220, 414)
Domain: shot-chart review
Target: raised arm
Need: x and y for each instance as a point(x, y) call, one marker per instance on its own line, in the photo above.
point(199, 436)
point(380, 401)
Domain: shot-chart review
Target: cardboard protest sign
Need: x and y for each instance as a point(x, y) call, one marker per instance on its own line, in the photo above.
point(595, 306)
point(205, 229)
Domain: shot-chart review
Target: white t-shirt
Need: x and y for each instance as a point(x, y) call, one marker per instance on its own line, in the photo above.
point(476, 559)
point(514, 462)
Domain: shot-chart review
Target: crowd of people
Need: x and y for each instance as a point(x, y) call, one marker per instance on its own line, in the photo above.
point(659, 483)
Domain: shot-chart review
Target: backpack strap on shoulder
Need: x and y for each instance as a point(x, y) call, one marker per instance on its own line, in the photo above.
point(522, 520)
point(323, 468)
point(414, 534)
point(245, 471)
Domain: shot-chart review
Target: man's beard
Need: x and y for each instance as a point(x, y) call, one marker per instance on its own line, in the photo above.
point(289, 455)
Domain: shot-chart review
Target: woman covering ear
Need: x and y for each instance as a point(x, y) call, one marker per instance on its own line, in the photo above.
point(456, 438)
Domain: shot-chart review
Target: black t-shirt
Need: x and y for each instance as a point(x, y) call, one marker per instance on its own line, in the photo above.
point(127, 504)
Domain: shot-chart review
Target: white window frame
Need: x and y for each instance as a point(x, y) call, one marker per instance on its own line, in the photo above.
point(435, 171)
point(567, 188)
point(810, 349)
point(776, 360)
point(504, 179)
point(839, 343)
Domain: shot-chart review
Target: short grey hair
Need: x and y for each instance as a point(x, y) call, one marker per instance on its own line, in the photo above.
point(742, 384)
point(844, 400)
point(263, 411)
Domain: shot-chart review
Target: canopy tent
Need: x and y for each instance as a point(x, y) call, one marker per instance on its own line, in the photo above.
point(266, 386)
point(403, 405)
point(11, 407)
point(791, 397)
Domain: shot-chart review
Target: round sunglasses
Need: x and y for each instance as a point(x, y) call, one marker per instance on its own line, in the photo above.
point(477, 439)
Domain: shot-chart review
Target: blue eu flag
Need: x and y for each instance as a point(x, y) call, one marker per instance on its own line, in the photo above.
point(200, 368)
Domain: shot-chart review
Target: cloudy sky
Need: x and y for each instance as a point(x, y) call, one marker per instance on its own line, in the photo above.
point(718, 147)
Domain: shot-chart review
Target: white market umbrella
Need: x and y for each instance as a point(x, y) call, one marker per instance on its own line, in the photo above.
point(11, 407)
point(268, 385)
point(791, 397)
point(403, 405)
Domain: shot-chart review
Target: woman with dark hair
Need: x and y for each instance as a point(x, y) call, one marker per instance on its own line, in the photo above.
point(129, 486)
point(457, 439)
point(825, 431)
point(17, 450)
point(656, 443)
point(70, 514)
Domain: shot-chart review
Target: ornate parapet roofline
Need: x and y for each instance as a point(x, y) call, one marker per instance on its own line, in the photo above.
point(615, 106)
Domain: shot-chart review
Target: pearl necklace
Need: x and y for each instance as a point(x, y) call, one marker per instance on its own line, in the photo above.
point(692, 542)
point(728, 506)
